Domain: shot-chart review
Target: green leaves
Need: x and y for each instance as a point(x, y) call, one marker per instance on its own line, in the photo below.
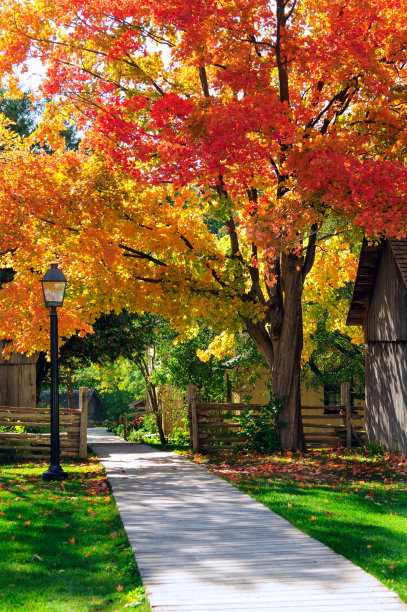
point(260, 428)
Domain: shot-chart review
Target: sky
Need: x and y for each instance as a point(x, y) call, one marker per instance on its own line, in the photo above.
point(31, 79)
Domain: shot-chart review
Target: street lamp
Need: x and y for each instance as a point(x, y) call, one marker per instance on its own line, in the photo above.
point(53, 287)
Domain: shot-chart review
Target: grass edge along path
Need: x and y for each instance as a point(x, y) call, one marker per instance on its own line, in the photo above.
point(63, 546)
point(353, 502)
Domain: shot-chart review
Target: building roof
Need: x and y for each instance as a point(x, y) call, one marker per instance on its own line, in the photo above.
point(366, 276)
point(138, 403)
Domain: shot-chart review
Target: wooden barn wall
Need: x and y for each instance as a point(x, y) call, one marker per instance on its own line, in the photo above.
point(387, 316)
point(18, 384)
point(18, 379)
point(386, 394)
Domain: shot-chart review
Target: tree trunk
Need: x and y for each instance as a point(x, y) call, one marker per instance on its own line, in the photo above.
point(287, 355)
point(157, 412)
point(69, 389)
point(42, 368)
point(280, 342)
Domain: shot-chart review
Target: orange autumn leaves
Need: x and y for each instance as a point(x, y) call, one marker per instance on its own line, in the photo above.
point(188, 110)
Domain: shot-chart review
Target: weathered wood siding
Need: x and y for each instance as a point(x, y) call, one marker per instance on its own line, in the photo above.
point(387, 316)
point(386, 356)
point(386, 394)
point(18, 379)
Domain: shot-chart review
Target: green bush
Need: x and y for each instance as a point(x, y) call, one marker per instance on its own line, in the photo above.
point(141, 436)
point(147, 432)
point(260, 428)
point(179, 436)
point(118, 430)
point(374, 449)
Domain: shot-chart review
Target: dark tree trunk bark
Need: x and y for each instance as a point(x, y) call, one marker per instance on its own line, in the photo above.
point(287, 355)
point(42, 368)
point(69, 389)
point(157, 412)
point(280, 342)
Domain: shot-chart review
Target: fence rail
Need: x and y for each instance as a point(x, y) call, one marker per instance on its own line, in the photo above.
point(37, 444)
point(212, 426)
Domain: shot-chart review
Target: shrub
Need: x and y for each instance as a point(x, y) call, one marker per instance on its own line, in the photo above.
point(179, 436)
point(138, 423)
point(118, 430)
point(374, 449)
point(260, 428)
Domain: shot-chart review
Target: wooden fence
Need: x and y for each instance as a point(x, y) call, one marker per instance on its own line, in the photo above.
point(32, 444)
point(212, 426)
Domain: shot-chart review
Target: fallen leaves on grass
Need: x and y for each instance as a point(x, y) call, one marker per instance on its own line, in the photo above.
point(334, 467)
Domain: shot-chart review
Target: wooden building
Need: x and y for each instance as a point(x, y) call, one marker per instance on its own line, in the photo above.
point(18, 379)
point(379, 305)
point(95, 408)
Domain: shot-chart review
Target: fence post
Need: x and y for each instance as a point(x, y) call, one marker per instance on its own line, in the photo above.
point(83, 428)
point(346, 402)
point(193, 418)
point(125, 426)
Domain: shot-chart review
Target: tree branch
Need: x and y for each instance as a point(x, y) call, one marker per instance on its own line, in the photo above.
point(141, 255)
point(310, 253)
point(204, 81)
point(281, 61)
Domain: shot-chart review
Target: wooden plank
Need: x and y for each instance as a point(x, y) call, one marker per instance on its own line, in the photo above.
point(11, 414)
point(22, 448)
point(23, 407)
point(25, 424)
point(322, 437)
point(216, 425)
point(324, 426)
point(23, 442)
point(322, 407)
point(207, 437)
point(13, 435)
point(24, 417)
point(34, 410)
point(335, 417)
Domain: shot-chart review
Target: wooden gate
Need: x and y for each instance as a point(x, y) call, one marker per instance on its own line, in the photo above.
point(212, 427)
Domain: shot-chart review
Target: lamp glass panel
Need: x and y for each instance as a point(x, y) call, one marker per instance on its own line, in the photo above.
point(54, 293)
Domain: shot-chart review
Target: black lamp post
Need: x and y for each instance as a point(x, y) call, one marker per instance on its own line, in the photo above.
point(53, 287)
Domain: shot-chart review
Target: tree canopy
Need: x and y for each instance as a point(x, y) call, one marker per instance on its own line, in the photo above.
point(224, 138)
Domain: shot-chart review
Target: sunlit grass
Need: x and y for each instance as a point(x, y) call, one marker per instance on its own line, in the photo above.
point(63, 546)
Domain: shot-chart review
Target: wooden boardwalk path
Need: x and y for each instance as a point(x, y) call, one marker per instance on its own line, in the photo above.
point(201, 545)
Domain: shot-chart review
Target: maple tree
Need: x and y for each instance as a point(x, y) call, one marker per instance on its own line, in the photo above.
point(232, 131)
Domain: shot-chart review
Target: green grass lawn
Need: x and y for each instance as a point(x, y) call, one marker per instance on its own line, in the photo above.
point(353, 502)
point(62, 544)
